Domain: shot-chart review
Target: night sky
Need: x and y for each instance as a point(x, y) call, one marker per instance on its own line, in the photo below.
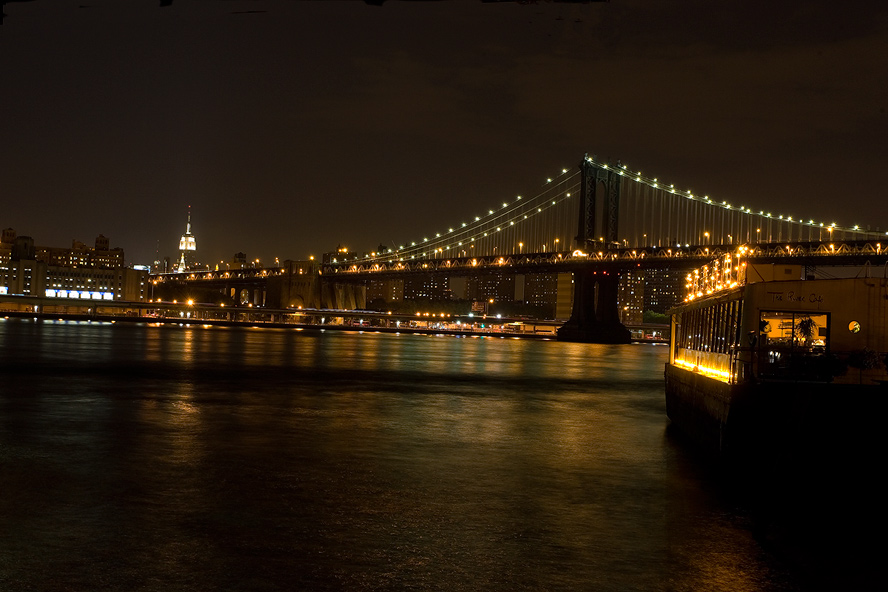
point(293, 126)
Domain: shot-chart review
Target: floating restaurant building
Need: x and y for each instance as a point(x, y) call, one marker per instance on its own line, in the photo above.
point(751, 342)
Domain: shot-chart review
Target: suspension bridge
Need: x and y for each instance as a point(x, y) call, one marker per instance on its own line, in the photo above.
point(603, 219)
point(619, 210)
point(598, 221)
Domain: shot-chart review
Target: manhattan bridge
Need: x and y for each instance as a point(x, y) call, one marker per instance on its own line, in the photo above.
point(600, 221)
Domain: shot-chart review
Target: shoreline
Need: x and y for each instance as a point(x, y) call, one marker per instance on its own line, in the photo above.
point(264, 324)
point(102, 318)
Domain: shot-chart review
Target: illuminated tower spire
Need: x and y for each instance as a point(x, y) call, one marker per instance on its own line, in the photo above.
point(187, 247)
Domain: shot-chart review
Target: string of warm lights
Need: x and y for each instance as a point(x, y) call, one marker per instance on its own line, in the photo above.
point(720, 274)
point(721, 374)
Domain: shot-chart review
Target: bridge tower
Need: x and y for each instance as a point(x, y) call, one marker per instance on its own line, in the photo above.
point(595, 317)
point(599, 207)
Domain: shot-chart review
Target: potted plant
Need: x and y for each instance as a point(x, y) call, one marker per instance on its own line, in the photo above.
point(805, 330)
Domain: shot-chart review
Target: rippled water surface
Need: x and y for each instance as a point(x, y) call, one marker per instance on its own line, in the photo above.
point(138, 457)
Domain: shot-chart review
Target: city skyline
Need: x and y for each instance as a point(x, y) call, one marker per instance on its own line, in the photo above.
point(308, 125)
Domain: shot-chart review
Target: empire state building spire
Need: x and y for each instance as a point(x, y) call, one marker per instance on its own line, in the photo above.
point(187, 247)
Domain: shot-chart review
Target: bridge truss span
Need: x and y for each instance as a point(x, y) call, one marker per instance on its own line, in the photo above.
point(618, 259)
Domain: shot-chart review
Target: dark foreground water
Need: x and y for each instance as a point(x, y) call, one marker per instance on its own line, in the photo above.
point(136, 457)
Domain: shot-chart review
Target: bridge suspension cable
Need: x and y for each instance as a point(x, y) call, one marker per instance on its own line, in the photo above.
point(651, 214)
point(540, 223)
point(656, 214)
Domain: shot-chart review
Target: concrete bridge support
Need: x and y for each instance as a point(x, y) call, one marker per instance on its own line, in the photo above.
point(314, 291)
point(596, 316)
point(343, 296)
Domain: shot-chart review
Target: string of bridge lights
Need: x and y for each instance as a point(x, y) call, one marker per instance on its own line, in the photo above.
point(653, 182)
point(519, 210)
point(488, 225)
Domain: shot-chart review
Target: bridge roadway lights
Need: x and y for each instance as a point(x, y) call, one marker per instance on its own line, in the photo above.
point(595, 317)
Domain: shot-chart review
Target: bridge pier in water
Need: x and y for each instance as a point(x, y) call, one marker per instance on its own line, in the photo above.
point(595, 317)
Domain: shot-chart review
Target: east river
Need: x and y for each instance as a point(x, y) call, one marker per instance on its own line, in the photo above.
point(136, 457)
